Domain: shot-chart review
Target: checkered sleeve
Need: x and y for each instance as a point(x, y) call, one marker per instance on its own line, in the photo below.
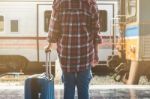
point(95, 30)
point(54, 26)
point(95, 23)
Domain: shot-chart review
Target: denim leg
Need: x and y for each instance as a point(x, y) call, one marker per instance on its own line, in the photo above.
point(69, 85)
point(83, 80)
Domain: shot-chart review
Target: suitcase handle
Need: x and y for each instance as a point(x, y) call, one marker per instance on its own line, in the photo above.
point(48, 66)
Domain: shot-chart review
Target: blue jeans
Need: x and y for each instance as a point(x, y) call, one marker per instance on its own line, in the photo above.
point(79, 79)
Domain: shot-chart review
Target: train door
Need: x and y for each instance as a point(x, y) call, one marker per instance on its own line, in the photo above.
point(44, 13)
point(107, 12)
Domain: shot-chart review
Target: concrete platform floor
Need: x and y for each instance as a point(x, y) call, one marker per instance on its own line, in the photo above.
point(96, 92)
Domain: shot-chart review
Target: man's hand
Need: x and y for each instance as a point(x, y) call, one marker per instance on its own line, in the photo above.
point(49, 47)
point(95, 62)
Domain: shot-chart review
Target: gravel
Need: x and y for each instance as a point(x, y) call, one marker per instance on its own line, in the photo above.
point(96, 80)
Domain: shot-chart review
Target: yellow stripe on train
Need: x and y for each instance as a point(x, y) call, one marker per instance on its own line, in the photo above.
point(131, 48)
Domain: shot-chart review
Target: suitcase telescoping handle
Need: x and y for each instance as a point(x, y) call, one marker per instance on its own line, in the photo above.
point(48, 66)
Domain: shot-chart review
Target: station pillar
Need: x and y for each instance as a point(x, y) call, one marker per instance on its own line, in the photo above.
point(134, 74)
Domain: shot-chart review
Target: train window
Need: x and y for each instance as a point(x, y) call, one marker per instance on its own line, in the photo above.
point(1, 23)
point(14, 25)
point(131, 6)
point(103, 20)
point(47, 15)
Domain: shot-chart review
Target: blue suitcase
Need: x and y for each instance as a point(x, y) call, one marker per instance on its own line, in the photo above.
point(40, 86)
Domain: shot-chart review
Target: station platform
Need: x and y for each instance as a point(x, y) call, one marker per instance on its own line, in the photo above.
point(96, 92)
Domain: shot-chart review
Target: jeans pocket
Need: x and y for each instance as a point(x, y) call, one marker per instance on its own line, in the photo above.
point(62, 78)
point(90, 75)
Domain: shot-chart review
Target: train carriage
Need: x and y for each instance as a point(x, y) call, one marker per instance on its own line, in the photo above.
point(135, 40)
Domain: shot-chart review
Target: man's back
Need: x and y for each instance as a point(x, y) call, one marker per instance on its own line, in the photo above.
point(75, 45)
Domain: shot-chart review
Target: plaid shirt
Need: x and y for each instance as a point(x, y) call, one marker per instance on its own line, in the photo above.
point(74, 25)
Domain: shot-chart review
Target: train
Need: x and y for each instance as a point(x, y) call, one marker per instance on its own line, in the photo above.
point(24, 29)
point(133, 45)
